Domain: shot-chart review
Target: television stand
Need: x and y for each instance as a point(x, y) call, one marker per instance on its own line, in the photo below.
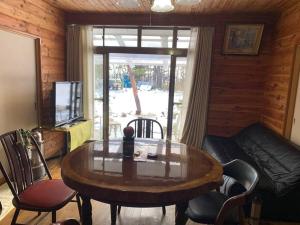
point(76, 133)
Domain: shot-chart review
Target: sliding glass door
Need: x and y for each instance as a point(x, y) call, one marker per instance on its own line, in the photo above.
point(138, 72)
point(138, 87)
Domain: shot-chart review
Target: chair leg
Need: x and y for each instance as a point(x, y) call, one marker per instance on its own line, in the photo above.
point(255, 211)
point(78, 205)
point(14, 220)
point(164, 210)
point(53, 216)
point(113, 214)
point(119, 209)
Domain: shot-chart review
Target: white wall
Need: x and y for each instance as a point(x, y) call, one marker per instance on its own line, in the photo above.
point(17, 82)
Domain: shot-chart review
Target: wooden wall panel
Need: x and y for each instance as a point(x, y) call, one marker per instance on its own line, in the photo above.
point(279, 71)
point(237, 84)
point(41, 19)
point(205, 7)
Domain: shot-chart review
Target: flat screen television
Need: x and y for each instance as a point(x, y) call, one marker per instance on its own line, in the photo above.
point(68, 104)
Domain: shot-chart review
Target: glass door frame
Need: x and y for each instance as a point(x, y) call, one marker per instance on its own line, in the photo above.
point(172, 52)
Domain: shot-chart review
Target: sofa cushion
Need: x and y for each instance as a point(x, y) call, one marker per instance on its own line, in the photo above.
point(273, 155)
point(205, 209)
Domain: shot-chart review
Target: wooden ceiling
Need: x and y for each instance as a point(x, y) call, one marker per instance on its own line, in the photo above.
point(204, 7)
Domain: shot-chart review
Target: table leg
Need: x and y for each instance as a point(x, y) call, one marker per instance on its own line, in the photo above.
point(113, 214)
point(86, 211)
point(180, 217)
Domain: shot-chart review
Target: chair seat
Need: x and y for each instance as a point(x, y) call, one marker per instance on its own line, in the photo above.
point(46, 195)
point(205, 209)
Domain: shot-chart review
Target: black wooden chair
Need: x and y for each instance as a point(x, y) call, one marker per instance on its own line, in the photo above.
point(217, 208)
point(145, 128)
point(46, 195)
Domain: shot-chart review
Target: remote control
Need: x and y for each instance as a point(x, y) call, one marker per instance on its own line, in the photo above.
point(152, 156)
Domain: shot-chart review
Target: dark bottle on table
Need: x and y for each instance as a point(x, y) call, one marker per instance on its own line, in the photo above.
point(128, 142)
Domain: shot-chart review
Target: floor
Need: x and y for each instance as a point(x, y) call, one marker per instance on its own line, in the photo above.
point(5, 198)
point(101, 213)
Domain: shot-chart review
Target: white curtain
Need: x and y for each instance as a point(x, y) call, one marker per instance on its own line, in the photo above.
point(195, 103)
point(190, 64)
point(86, 69)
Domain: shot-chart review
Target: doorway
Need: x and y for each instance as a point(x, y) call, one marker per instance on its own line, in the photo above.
point(138, 72)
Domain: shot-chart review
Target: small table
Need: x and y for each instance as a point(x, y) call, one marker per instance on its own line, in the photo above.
point(75, 134)
point(97, 170)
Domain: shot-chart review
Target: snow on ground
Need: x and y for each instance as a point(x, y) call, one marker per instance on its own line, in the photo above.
point(122, 108)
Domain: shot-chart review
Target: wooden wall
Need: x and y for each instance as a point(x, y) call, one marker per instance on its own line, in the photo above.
point(40, 19)
point(277, 81)
point(237, 81)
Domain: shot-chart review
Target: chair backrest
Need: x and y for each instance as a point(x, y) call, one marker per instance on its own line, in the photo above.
point(244, 174)
point(18, 173)
point(144, 128)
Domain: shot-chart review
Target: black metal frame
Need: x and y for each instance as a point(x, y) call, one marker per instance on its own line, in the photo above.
point(144, 127)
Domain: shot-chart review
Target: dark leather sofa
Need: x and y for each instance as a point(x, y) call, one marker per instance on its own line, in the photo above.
point(277, 161)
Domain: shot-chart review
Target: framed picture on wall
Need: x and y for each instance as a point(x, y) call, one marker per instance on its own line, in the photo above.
point(242, 39)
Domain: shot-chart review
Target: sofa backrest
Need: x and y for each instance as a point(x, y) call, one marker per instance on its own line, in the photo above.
point(277, 157)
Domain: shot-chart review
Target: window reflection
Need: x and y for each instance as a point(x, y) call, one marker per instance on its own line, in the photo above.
point(107, 165)
point(112, 163)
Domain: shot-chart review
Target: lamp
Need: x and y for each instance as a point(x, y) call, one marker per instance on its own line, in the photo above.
point(162, 6)
point(187, 2)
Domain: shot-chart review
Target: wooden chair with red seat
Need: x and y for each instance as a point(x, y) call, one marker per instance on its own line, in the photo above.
point(47, 195)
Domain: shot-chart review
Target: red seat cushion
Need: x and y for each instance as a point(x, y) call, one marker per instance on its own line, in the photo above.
point(46, 194)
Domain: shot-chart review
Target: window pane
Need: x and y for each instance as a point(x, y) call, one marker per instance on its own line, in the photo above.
point(121, 37)
point(178, 96)
point(183, 38)
point(157, 38)
point(138, 87)
point(98, 37)
point(98, 97)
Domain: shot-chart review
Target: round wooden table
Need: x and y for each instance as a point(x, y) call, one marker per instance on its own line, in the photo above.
point(98, 170)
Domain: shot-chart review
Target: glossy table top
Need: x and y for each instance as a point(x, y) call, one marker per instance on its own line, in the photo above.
point(98, 170)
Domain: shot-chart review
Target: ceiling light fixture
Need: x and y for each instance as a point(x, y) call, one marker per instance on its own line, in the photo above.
point(187, 2)
point(162, 6)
